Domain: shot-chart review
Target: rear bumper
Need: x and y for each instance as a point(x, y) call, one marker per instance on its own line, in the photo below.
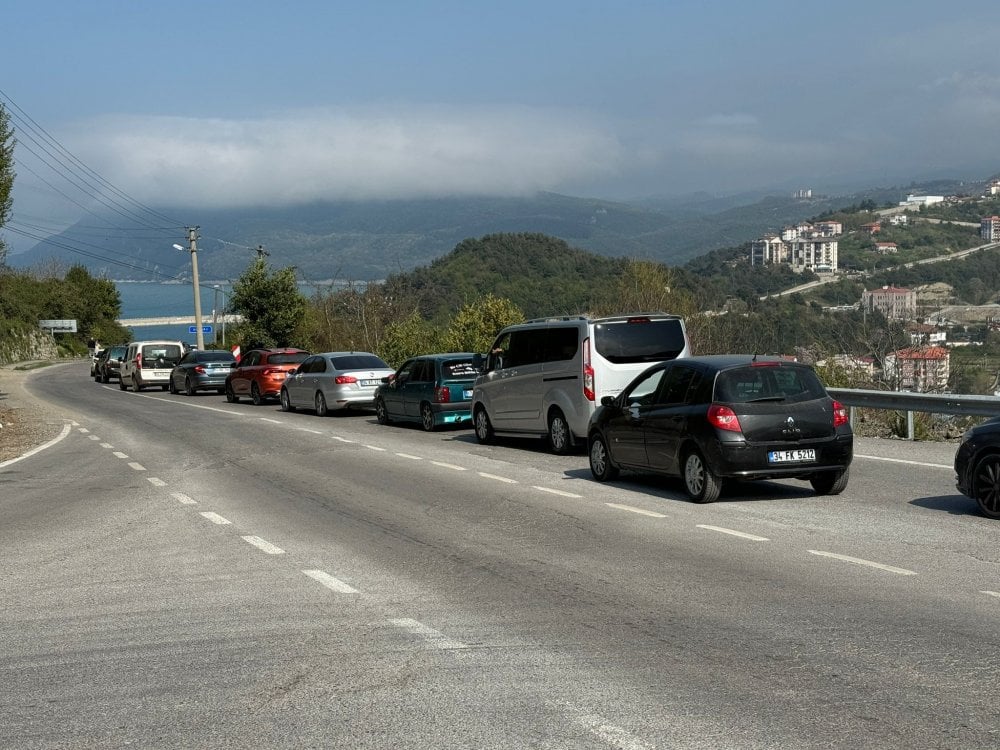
point(749, 461)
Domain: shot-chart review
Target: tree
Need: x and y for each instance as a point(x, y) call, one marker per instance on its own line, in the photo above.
point(7, 142)
point(646, 286)
point(271, 304)
point(476, 324)
point(409, 337)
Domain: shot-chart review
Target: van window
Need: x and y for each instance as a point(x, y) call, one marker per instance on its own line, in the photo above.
point(647, 341)
point(154, 355)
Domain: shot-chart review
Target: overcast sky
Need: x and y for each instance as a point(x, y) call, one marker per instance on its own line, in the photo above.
point(244, 102)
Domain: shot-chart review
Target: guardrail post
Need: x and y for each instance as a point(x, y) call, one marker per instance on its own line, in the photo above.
point(909, 425)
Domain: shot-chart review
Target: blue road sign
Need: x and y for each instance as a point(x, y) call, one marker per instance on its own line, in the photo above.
point(204, 329)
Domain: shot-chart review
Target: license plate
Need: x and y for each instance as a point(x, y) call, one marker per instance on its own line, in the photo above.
point(370, 382)
point(467, 395)
point(787, 457)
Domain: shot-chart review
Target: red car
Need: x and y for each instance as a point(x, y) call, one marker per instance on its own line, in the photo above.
point(260, 373)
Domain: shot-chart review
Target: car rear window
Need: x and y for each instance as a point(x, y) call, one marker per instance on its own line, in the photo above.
point(287, 359)
point(154, 354)
point(458, 368)
point(216, 357)
point(640, 340)
point(748, 384)
point(359, 362)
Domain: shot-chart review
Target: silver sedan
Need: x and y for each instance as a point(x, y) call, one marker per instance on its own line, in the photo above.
point(333, 381)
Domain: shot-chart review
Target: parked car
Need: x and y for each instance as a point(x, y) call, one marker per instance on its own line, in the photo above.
point(977, 466)
point(546, 377)
point(334, 380)
point(201, 370)
point(148, 363)
point(109, 363)
point(708, 419)
point(433, 390)
point(260, 373)
point(93, 362)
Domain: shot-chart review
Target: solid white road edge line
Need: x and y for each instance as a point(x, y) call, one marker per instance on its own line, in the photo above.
point(640, 511)
point(432, 636)
point(904, 461)
point(334, 584)
point(867, 563)
point(733, 532)
point(65, 431)
point(263, 546)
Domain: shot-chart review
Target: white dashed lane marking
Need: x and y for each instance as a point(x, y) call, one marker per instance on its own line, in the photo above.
point(334, 584)
point(561, 493)
point(484, 475)
point(216, 518)
point(443, 465)
point(156, 482)
point(375, 448)
point(136, 466)
point(119, 454)
point(430, 635)
point(182, 498)
point(640, 511)
point(866, 563)
point(409, 456)
point(263, 546)
point(991, 593)
point(733, 532)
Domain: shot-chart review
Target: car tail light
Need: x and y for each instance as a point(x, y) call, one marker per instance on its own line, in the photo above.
point(840, 414)
point(138, 361)
point(588, 373)
point(442, 394)
point(200, 369)
point(345, 379)
point(724, 418)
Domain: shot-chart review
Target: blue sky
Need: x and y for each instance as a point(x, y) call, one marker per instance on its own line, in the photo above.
point(188, 104)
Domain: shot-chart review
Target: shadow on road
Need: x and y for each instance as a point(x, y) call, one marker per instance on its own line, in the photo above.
point(956, 505)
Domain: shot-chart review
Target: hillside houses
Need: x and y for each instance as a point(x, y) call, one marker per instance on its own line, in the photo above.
point(920, 369)
point(806, 246)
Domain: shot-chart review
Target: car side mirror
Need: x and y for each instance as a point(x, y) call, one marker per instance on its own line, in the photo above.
point(607, 400)
point(477, 362)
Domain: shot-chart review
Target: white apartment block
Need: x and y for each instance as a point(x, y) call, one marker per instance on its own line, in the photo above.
point(919, 201)
point(989, 228)
point(805, 246)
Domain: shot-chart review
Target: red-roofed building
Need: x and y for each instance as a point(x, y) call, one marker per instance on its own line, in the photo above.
point(883, 248)
point(919, 369)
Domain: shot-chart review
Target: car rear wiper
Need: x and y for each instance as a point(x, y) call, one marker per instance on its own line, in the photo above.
point(763, 399)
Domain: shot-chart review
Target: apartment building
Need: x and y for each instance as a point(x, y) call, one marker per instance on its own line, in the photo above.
point(804, 247)
point(891, 301)
point(920, 369)
point(989, 228)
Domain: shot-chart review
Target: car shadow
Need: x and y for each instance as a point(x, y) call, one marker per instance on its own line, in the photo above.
point(670, 488)
point(956, 505)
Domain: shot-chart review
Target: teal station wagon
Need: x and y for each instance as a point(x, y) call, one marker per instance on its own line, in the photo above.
point(432, 389)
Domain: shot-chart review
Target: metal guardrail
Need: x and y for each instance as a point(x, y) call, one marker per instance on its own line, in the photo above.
point(934, 403)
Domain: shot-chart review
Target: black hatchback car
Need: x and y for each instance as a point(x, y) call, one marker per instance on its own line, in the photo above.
point(707, 419)
point(977, 466)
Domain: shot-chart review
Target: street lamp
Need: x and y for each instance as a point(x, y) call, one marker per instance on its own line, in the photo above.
point(192, 239)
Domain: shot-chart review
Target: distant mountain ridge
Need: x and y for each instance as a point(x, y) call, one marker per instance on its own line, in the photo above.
point(370, 240)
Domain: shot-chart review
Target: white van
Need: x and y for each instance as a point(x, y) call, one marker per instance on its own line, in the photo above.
point(148, 363)
point(547, 376)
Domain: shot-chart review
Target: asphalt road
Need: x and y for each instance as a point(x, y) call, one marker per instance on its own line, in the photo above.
point(184, 572)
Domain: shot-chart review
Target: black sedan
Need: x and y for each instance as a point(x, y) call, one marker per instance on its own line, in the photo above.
point(706, 419)
point(201, 370)
point(977, 466)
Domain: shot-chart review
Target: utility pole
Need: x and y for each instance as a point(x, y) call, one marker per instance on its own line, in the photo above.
point(261, 252)
point(193, 249)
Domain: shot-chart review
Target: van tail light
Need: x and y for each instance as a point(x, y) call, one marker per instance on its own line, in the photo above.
point(442, 394)
point(840, 414)
point(345, 379)
point(723, 418)
point(138, 361)
point(588, 373)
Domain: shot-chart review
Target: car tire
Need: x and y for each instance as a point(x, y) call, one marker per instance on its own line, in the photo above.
point(188, 387)
point(560, 437)
point(231, 396)
point(285, 400)
point(136, 384)
point(986, 485)
point(700, 482)
point(484, 429)
point(427, 417)
point(104, 376)
point(381, 412)
point(830, 482)
point(173, 388)
point(320, 403)
point(121, 384)
point(600, 459)
point(255, 395)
